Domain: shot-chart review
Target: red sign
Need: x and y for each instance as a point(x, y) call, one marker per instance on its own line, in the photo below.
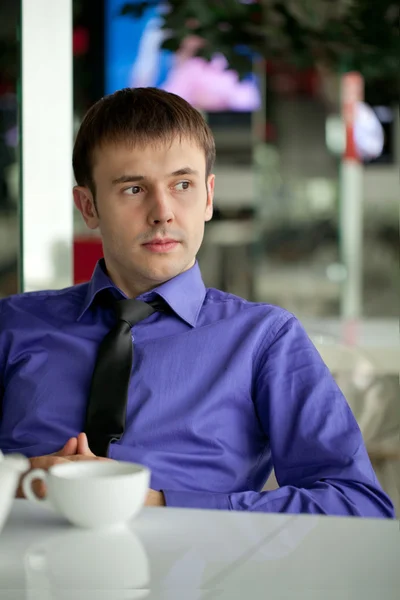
point(352, 94)
point(87, 251)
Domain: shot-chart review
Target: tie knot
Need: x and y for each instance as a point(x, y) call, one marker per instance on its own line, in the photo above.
point(132, 311)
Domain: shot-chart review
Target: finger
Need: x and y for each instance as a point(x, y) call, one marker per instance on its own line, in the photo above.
point(83, 457)
point(40, 462)
point(83, 445)
point(69, 448)
point(39, 488)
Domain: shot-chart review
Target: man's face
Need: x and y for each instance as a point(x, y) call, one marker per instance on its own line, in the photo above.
point(152, 204)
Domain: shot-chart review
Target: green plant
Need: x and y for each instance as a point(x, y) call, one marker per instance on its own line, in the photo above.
point(359, 34)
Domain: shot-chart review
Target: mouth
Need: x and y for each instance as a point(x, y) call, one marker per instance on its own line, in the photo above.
point(161, 246)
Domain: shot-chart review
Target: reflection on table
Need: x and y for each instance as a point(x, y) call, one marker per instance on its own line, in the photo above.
point(193, 554)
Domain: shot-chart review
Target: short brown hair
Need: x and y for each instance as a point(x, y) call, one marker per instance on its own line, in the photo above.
point(138, 116)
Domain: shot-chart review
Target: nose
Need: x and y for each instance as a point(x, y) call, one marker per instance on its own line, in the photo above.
point(161, 210)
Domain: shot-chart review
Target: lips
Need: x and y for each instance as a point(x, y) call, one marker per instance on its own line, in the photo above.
point(161, 242)
point(161, 245)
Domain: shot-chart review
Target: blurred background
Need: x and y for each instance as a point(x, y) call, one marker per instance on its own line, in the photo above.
point(302, 98)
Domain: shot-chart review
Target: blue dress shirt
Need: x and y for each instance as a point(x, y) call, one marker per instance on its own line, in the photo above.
point(222, 390)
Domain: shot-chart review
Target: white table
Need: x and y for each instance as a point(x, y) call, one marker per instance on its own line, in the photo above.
point(199, 555)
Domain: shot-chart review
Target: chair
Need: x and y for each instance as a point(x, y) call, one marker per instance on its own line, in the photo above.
point(374, 399)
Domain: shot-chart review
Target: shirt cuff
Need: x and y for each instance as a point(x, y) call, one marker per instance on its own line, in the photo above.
point(187, 499)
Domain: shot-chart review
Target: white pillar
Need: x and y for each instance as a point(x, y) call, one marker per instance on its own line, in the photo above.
point(47, 137)
point(351, 203)
point(351, 232)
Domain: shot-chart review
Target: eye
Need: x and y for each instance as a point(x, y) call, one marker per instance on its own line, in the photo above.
point(133, 191)
point(182, 186)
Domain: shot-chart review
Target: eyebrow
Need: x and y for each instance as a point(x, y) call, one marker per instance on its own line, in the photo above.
point(136, 178)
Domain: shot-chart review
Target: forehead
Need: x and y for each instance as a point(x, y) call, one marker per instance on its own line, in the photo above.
point(147, 158)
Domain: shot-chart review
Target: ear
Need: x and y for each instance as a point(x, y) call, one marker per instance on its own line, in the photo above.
point(210, 197)
point(84, 202)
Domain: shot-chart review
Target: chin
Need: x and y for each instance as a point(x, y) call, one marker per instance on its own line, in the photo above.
point(168, 270)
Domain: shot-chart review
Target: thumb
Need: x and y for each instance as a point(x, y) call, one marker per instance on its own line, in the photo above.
point(83, 445)
point(69, 448)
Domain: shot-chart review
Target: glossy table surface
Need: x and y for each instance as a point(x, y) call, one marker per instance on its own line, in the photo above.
point(199, 555)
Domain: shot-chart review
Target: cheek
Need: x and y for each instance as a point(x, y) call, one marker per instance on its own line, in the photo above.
point(196, 227)
point(111, 225)
point(122, 228)
point(114, 215)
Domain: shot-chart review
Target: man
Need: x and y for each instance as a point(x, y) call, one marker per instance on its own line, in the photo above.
point(218, 390)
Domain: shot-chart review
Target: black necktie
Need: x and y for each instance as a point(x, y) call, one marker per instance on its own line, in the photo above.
point(106, 411)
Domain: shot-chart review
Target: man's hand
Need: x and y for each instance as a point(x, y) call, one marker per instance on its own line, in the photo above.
point(75, 449)
point(155, 498)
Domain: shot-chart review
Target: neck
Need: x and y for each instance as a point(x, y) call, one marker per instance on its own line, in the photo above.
point(132, 287)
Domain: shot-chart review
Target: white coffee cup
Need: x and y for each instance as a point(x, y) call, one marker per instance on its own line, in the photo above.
point(11, 469)
point(92, 494)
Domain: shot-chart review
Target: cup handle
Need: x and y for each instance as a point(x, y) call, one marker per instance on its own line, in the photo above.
point(27, 486)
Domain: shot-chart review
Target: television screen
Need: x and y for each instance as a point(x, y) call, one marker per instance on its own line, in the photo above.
point(134, 58)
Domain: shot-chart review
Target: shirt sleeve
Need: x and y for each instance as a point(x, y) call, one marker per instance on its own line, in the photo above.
point(320, 460)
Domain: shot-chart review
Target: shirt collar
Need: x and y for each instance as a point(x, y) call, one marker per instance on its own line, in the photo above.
point(184, 293)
